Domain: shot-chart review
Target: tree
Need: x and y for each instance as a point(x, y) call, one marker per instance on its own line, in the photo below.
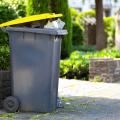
point(61, 6)
point(100, 34)
point(38, 6)
point(55, 6)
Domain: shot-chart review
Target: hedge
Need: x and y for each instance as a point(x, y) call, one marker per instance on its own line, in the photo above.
point(7, 13)
point(61, 6)
point(4, 58)
point(79, 21)
point(77, 31)
point(77, 65)
point(38, 6)
point(109, 23)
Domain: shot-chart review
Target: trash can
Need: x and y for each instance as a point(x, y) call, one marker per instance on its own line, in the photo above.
point(35, 55)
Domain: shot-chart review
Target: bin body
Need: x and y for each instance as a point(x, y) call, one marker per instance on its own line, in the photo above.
point(35, 55)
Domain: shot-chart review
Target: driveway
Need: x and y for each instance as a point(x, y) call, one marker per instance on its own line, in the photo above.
point(82, 101)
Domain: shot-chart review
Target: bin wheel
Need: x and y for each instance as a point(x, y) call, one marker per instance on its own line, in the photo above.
point(11, 104)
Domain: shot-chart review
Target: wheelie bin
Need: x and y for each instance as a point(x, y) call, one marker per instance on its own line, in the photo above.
point(35, 55)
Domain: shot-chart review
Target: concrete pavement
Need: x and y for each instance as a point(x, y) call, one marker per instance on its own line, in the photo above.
point(82, 101)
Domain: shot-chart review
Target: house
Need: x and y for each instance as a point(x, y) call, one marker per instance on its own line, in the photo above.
point(110, 6)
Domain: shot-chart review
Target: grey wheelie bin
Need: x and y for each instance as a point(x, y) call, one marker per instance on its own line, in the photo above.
point(35, 55)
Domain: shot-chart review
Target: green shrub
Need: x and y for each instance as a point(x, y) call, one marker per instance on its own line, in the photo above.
point(77, 66)
point(81, 18)
point(18, 5)
point(84, 48)
point(21, 8)
point(74, 13)
point(4, 58)
point(77, 32)
point(78, 21)
point(77, 38)
point(73, 69)
point(6, 14)
point(109, 26)
point(61, 6)
point(37, 7)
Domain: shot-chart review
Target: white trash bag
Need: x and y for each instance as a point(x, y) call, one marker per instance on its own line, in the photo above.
point(58, 24)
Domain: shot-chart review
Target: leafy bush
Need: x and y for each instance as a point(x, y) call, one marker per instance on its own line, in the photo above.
point(61, 6)
point(77, 32)
point(84, 48)
point(83, 16)
point(18, 5)
point(79, 21)
point(77, 66)
point(109, 24)
point(21, 8)
point(74, 13)
point(84, 19)
point(38, 7)
point(74, 69)
point(4, 58)
point(77, 38)
point(6, 13)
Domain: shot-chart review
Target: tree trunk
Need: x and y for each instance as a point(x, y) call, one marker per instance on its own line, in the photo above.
point(100, 34)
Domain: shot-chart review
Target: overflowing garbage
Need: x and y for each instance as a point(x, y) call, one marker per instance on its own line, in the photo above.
point(59, 24)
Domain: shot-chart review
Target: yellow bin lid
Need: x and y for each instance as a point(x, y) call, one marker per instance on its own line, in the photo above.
point(31, 18)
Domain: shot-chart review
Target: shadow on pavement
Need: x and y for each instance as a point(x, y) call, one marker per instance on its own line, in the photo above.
point(77, 108)
point(85, 108)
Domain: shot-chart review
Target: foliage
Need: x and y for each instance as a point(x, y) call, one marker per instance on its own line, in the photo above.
point(109, 26)
point(4, 58)
point(38, 6)
point(83, 16)
point(78, 21)
point(77, 66)
point(6, 13)
point(84, 48)
point(18, 5)
point(61, 6)
point(55, 6)
point(78, 37)
point(74, 13)
point(77, 32)
point(21, 8)
point(74, 69)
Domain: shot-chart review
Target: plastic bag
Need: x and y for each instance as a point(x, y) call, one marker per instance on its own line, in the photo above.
point(59, 24)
